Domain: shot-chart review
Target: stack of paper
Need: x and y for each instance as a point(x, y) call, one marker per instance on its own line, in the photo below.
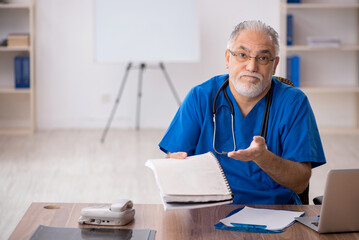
point(323, 41)
point(258, 220)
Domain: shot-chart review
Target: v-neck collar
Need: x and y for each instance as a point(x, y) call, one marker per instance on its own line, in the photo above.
point(237, 111)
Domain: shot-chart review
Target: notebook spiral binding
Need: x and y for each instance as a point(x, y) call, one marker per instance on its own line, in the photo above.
point(223, 174)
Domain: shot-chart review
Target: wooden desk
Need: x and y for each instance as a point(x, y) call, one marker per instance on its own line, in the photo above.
point(176, 224)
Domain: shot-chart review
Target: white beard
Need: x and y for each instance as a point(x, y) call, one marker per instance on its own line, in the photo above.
point(249, 90)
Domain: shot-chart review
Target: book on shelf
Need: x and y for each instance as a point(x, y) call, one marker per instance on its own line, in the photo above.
point(25, 72)
point(289, 29)
point(18, 70)
point(194, 182)
point(18, 40)
point(293, 69)
point(323, 42)
point(22, 72)
point(293, 1)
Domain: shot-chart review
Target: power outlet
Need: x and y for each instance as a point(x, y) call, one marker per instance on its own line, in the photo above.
point(105, 98)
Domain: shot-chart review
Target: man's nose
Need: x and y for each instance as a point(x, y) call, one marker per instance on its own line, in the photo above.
point(252, 64)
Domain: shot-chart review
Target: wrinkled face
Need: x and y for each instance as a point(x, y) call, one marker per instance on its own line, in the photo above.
point(251, 70)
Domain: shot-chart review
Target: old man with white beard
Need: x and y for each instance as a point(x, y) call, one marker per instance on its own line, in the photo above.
point(262, 131)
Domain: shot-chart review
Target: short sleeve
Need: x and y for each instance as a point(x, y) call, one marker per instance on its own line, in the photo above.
point(185, 128)
point(300, 137)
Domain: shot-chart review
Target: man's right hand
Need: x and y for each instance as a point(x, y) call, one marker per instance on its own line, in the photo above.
point(178, 155)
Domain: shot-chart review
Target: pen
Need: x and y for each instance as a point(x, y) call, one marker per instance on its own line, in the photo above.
point(249, 226)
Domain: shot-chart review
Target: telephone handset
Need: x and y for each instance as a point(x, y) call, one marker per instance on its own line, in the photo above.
point(119, 213)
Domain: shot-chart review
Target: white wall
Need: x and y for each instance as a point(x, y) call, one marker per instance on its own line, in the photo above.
point(72, 91)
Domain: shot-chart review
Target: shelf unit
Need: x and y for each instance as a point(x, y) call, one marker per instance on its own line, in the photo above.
point(329, 75)
point(17, 105)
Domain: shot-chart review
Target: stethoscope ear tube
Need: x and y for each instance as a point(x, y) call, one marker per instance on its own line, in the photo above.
point(264, 127)
point(214, 134)
point(223, 87)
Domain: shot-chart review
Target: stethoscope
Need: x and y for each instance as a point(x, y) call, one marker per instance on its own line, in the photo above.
point(264, 126)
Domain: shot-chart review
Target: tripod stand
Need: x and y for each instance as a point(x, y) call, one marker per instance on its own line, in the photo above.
point(141, 67)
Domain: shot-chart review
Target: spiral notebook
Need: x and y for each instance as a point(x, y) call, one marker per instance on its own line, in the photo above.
point(194, 182)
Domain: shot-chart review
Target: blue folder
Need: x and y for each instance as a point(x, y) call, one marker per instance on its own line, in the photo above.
point(26, 72)
point(22, 72)
point(17, 72)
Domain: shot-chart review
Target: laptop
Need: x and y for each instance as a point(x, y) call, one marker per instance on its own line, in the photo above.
point(340, 208)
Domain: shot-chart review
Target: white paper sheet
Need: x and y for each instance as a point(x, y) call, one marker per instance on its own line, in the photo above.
point(273, 219)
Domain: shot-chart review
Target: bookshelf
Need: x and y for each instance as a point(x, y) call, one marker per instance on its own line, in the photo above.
point(329, 75)
point(17, 105)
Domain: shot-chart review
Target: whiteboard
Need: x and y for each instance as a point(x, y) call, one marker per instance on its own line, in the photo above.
point(146, 31)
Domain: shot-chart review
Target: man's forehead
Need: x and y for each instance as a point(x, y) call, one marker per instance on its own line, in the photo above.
point(260, 49)
point(252, 41)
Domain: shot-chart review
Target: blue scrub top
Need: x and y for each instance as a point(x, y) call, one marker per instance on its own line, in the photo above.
point(292, 134)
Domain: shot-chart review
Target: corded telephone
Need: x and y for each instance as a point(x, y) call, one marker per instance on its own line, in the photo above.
point(119, 213)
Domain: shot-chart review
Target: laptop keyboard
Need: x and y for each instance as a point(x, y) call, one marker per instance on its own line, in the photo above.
point(316, 222)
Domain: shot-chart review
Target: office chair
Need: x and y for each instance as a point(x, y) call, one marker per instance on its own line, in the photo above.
point(318, 200)
point(304, 196)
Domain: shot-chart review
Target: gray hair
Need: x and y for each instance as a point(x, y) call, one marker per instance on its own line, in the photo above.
point(257, 26)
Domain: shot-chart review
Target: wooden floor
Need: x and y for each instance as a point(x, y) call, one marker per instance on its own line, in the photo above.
point(73, 166)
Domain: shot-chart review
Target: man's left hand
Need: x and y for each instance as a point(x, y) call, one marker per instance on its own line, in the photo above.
point(290, 174)
point(255, 151)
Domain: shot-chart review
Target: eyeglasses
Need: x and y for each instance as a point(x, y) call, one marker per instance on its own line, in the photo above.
point(243, 57)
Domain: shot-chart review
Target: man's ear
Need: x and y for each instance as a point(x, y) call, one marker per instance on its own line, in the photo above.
point(227, 55)
point(275, 65)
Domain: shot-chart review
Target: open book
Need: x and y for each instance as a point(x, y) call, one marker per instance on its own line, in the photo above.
point(197, 181)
